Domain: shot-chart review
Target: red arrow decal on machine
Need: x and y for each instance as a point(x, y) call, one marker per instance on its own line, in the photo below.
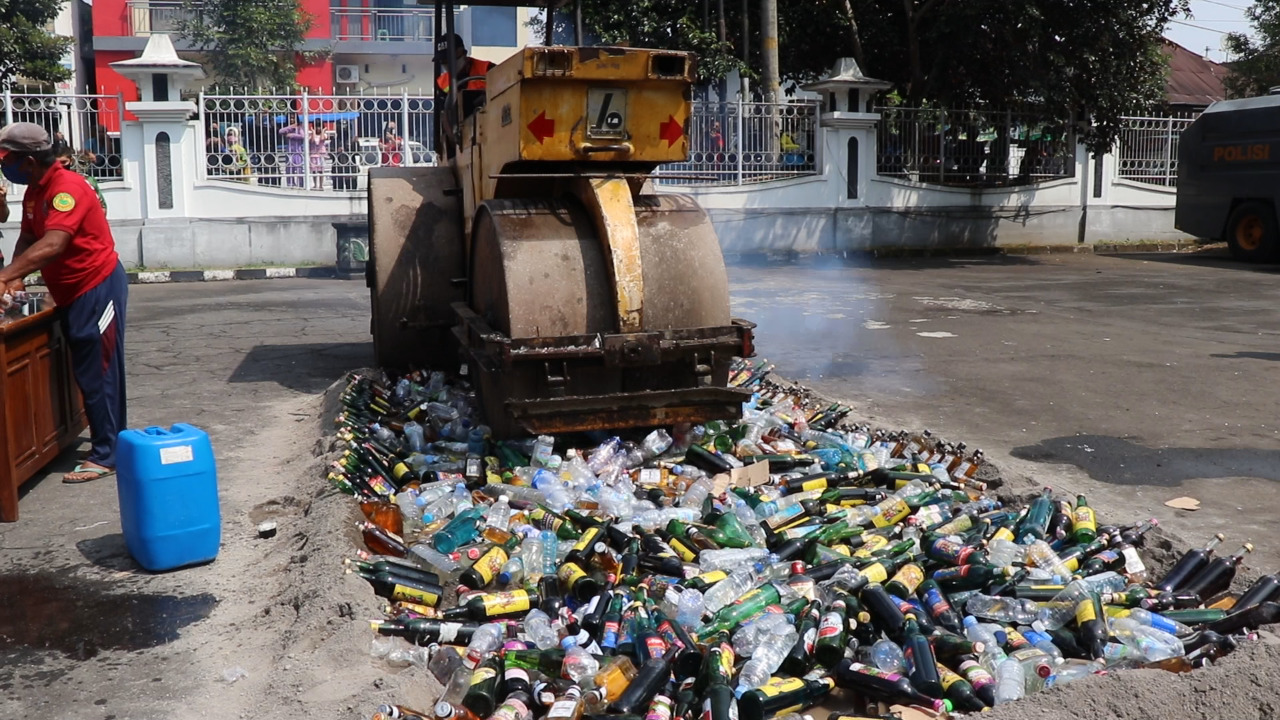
point(542, 127)
point(670, 130)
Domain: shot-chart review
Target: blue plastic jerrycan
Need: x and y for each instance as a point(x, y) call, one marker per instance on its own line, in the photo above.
point(168, 487)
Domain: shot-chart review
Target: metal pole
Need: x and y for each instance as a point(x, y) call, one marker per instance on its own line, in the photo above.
point(549, 38)
point(742, 145)
point(306, 141)
point(770, 74)
point(1168, 152)
point(202, 134)
point(577, 23)
point(8, 105)
point(407, 153)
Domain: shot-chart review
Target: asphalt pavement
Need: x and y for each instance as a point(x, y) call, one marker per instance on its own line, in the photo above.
point(1133, 379)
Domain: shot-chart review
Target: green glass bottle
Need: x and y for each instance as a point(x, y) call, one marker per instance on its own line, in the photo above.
point(780, 693)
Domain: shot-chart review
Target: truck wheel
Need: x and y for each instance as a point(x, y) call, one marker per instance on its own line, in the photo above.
point(1251, 232)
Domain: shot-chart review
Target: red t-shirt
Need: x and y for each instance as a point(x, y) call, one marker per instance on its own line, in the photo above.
point(64, 200)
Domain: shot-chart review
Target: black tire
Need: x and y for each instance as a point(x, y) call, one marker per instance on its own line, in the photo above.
point(1251, 232)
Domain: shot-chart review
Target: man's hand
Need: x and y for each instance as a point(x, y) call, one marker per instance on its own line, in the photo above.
point(16, 286)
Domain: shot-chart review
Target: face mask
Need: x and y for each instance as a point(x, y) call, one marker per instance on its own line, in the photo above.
point(16, 174)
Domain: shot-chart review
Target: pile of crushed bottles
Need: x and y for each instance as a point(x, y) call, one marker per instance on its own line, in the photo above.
point(658, 577)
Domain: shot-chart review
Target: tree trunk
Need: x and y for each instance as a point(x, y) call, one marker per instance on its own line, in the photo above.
point(855, 36)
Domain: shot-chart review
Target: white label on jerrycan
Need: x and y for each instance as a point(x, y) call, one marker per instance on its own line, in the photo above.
point(176, 454)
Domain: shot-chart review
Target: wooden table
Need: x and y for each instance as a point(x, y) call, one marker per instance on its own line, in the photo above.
point(39, 397)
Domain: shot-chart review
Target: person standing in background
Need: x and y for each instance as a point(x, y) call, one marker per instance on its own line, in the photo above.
point(295, 144)
point(318, 147)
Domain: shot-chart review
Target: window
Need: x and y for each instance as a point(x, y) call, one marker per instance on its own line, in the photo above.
point(493, 26)
point(852, 169)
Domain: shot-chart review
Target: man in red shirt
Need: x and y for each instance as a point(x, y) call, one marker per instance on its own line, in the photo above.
point(65, 236)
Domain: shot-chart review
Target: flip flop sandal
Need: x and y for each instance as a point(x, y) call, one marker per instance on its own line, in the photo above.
point(94, 472)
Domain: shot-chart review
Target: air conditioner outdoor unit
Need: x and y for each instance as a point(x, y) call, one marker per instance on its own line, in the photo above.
point(348, 73)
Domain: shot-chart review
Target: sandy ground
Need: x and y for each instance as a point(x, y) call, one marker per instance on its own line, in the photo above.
point(274, 629)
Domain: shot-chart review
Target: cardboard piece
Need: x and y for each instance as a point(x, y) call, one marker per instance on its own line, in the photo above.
point(751, 475)
point(1184, 503)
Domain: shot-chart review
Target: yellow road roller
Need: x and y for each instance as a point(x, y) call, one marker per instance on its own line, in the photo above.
point(538, 253)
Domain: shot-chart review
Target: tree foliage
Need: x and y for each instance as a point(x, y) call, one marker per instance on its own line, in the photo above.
point(252, 43)
point(1256, 68)
point(1096, 59)
point(27, 50)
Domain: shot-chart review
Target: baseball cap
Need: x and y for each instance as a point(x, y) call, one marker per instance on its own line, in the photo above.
point(442, 46)
point(23, 137)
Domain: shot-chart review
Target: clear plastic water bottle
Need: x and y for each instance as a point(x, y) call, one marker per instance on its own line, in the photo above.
point(1011, 681)
point(690, 609)
point(1003, 553)
point(1159, 622)
point(1062, 608)
point(461, 499)
point(1004, 609)
point(537, 627)
point(1072, 670)
point(1044, 643)
point(888, 656)
point(711, 560)
point(415, 435)
point(1042, 556)
point(499, 514)
point(604, 454)
point(531, 550)
point(752, 635)
point(484, 640)
point(729, 589)
point(1107, 582)
point(655, 443)
point(445, 566)
point(1153, 644)
point(579, 665)
point(696, 494)
point(550, 553)
point(767, 658)
point(542, 449)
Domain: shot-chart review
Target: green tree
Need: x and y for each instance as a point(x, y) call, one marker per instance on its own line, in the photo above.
point(1093, 59)
point(1256, 68)
point(251, 43)
point(27, 49)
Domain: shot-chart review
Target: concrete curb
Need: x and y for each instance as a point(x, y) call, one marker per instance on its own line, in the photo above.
point(150, 277)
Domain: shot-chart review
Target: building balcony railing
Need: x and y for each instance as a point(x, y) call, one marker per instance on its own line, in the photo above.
point(155, 16)
point(382, 24)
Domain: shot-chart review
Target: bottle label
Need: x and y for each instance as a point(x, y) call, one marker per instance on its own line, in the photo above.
point(1003, 533)
point(512, 709)
point(684, 551)
point(1132, 562)
point(947, 677)
point(506, 603)
point(891, 512)
point(482, 674)
point(936, 603)
point(588, 539)
point(414, 595)
point(815, 484)
point(782, 517)
point(727, 658)
point(1085, 612)
point(1017, 640)
point(563, 708)
point(610, 637)
point(909, 576)
point(874, 672)
point(776, 686)
point(449, 632)
point(515, 673)
point(832, 624)
point(977, 675)
point(659, 709)
point(951, 552)
point(657, 647)
point(490, 564)
point(871, 544)
point(712, 577)
point(964, 523)
point(875, 573)
point(570, 574)
point(1084, 519)
point(810, 637)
